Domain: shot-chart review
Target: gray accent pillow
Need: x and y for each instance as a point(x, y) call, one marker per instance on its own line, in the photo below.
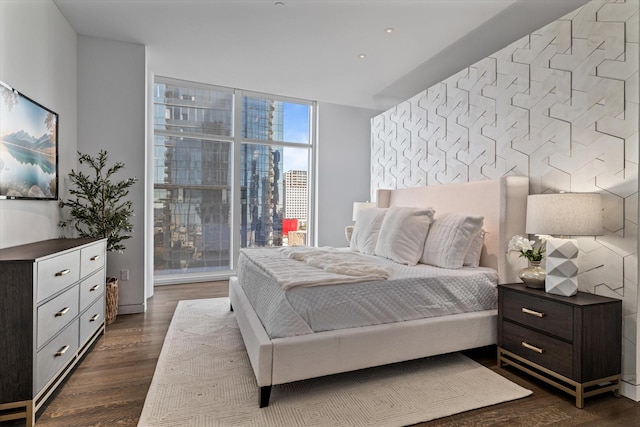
point(449, 239)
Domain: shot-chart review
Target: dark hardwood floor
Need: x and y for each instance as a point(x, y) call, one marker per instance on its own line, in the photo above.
point(109, 386)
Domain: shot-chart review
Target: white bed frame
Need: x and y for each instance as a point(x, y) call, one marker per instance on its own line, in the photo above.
point(502, 202)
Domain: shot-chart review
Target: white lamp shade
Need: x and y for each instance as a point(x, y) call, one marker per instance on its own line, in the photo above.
point(358, 206)
point(564, 214)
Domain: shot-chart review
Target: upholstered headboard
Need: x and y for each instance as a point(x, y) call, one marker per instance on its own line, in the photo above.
point(502, 202)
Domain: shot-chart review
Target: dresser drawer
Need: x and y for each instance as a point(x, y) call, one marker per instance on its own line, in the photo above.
point(56, 354)
point(542, 314)
point(55, 274)
point(90, 289)
point(555, 354)
point(56, 314)
point(92, 258)
point(91, 319)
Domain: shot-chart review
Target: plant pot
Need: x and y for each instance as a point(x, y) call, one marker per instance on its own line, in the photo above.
point(112, 300)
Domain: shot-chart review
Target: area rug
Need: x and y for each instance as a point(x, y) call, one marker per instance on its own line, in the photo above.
point(204, 378)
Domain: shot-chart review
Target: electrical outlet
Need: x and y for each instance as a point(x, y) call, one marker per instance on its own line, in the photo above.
point(124, 275)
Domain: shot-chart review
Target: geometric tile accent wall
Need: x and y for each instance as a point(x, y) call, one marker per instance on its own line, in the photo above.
point(560, 106)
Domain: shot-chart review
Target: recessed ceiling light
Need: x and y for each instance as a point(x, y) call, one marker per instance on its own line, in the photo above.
point(388, 30)
point(362, 56)
point(279, 3)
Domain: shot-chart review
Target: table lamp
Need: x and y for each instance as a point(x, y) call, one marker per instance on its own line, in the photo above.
point(359, 206)
point(563, 214)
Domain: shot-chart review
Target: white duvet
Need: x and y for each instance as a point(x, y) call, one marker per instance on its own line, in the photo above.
point(409, 292)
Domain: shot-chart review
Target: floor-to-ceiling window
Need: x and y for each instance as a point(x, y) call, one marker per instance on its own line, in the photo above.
point(218, 150)
point(276, 140)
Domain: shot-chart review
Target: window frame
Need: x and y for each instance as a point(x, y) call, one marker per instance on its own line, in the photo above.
point(236, 140)
point(311, 146)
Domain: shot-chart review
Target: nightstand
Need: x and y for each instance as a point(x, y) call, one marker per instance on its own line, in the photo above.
point(573, 343)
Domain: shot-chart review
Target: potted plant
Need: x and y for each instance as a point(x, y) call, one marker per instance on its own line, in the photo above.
point(98, 209)
point(532, 276)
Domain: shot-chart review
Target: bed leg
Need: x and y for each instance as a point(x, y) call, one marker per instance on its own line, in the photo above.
point(265, 394)
point(230, 307)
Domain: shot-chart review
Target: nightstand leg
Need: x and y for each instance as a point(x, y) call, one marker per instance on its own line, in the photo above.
point(580, 396)
point(499, 358)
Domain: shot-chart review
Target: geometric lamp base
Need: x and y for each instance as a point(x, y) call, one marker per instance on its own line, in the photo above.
point(562, 267)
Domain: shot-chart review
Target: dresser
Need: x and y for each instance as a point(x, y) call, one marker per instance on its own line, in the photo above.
point(52, 307)
point(573, 343)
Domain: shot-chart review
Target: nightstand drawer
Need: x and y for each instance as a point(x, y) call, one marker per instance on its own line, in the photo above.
point(546, 351)
point(542, 314)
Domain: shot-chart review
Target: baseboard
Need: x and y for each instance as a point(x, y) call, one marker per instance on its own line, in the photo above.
point(631, 391)
point(132, 308)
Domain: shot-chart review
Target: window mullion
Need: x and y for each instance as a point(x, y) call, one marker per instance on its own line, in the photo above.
point(236, 189)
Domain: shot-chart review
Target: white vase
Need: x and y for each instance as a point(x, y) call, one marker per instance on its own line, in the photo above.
point(533, 276)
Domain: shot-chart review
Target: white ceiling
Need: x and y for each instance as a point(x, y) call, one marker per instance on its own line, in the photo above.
point(309, 48)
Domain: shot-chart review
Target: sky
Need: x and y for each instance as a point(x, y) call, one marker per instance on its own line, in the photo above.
point(296, 129)
point(24, 115)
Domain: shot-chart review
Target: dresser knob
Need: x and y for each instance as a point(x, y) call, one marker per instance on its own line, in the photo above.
point(95, 258)
point(532, 312)
point(94, 318)
point(63, 272)
point(94, 288)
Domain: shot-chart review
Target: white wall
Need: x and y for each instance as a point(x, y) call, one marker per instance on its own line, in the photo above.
point(107, 107)
point(559, 106)
point(111, 116)
point(344, 168)
point(38, 57)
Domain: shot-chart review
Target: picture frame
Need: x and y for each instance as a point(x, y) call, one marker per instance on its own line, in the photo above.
point(28, 147)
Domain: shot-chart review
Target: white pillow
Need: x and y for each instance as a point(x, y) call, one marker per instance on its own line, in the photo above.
point(365, 232)
point(449, 238)
point(472, 257)
point(403, 233)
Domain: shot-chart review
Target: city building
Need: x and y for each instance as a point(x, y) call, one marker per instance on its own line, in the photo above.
point(296, 192)
point(260, 180)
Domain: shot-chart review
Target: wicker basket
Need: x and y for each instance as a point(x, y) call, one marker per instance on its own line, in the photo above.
point(112, 300)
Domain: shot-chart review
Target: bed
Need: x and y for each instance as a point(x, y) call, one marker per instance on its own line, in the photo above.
point(283, 359)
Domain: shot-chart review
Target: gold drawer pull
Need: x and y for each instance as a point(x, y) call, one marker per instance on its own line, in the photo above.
point(62, 351)
point(62, 312)
point(532, 347)
point(94, 288)
point(63, 272)
point(531, 312)
point(94, 318)
point(95, 258)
